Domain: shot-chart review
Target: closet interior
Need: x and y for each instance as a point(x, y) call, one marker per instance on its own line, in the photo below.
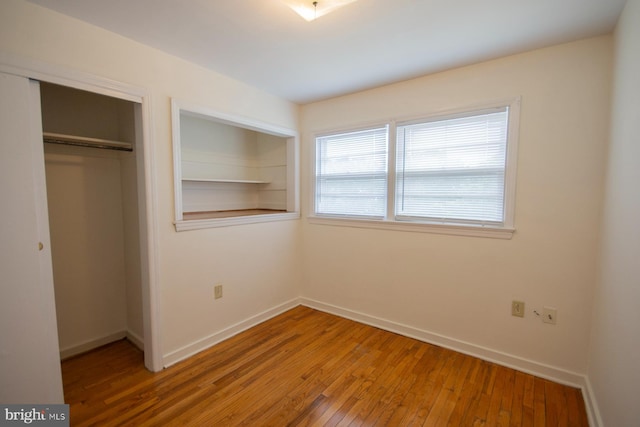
point(92, 193)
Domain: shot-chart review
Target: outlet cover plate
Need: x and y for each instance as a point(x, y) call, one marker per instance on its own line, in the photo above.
point(517, 308)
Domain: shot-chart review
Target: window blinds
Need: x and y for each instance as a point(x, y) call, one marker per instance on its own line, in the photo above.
point(452, 170)
point(351, 173)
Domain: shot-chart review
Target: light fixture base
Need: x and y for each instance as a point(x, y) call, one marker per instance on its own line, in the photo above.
point(311, 10)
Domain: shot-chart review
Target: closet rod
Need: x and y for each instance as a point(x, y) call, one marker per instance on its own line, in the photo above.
point(82, 141)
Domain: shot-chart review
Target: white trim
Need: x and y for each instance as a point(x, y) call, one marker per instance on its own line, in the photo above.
point(456, 230)
point(527, 366)
point(177, 161)
point(88, 345)
point(552, 373)
point(195, 347)
point(195, 110)
point(392, 140)
point(293, 174)
point(515, 362)
point(150, 253)
point(591, 405)
point(99, 342)
point(135, 339)
point(513, 134)
point(197, 224)
point(37, 70)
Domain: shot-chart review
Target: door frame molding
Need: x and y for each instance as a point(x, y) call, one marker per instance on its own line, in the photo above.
point(41, 71)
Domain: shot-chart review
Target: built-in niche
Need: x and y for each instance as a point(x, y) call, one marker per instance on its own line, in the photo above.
point(230, 170)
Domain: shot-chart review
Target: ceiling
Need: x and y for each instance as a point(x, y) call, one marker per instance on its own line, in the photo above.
point(365, 44)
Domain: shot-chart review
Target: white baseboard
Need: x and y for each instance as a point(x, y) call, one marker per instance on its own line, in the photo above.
point(91, 344)
point(525, 365)
point(135, 339)
point(541, 370)
point(197, 346)
point(595, 420)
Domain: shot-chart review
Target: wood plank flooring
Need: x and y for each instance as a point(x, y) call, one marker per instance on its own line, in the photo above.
point(308, 368)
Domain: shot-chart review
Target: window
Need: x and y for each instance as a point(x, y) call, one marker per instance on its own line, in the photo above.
point(452, 169)
point(351, 173)
point(455, 171)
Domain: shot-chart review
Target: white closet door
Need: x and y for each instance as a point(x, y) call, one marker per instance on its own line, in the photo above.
point(29, 353)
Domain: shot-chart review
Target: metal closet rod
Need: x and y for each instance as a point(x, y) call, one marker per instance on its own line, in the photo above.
point(83, 141)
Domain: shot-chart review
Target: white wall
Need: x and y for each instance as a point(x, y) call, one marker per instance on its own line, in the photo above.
point(614, 362)
point(257, 264)
point(273, 169)
point(131, 222)
point(461, 287)
point(132, 261)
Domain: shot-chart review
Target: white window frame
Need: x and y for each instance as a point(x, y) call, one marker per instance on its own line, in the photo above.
point(503, 231)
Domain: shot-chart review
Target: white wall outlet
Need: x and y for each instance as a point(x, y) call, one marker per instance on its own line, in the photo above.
point(549, 315)
point(217, 291)
point(517, 308)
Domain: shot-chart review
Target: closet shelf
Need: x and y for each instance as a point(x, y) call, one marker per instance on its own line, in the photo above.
point(83, 141)
point(237, 181)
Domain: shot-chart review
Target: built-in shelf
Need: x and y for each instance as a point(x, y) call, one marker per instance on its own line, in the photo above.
point(229, 214)
point(237, 181)
point(231, 170)
point(83, 141)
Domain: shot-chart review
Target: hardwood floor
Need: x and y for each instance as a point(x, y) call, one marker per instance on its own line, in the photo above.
point(307, 368)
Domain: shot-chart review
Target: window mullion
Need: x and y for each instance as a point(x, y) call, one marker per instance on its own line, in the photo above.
point(391, 172)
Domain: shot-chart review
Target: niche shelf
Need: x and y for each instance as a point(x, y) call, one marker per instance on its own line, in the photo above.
point(237, 181)
point(230, 170)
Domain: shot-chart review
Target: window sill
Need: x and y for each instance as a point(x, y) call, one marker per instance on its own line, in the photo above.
point(456, 230)
point(196, 224)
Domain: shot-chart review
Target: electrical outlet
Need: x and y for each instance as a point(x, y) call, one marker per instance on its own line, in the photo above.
point(217, 291)
point(549, 315)
point(517, 308)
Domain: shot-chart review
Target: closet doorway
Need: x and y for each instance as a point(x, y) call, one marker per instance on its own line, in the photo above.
point(91, 144)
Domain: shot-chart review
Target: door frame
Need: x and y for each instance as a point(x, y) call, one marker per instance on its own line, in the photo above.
point(146, 182)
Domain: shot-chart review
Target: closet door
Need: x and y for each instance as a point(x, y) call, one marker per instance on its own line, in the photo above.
point(29, 354)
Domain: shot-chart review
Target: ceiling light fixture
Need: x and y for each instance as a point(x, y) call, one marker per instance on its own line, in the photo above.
point(311, 10)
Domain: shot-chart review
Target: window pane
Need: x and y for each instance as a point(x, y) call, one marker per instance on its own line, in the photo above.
point(453, 169)
point(351, 173)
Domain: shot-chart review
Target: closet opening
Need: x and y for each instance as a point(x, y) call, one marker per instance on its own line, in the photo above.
point(93, 179)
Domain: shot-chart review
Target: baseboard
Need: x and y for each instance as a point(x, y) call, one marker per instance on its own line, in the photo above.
point(541, 370)
point(91, 344)
point(135, 339)
point(202, 344)
point(524, 365)
point(591, 405)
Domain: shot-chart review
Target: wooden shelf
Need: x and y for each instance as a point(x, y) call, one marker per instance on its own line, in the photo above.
point(228, 214)
point(236, 181)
